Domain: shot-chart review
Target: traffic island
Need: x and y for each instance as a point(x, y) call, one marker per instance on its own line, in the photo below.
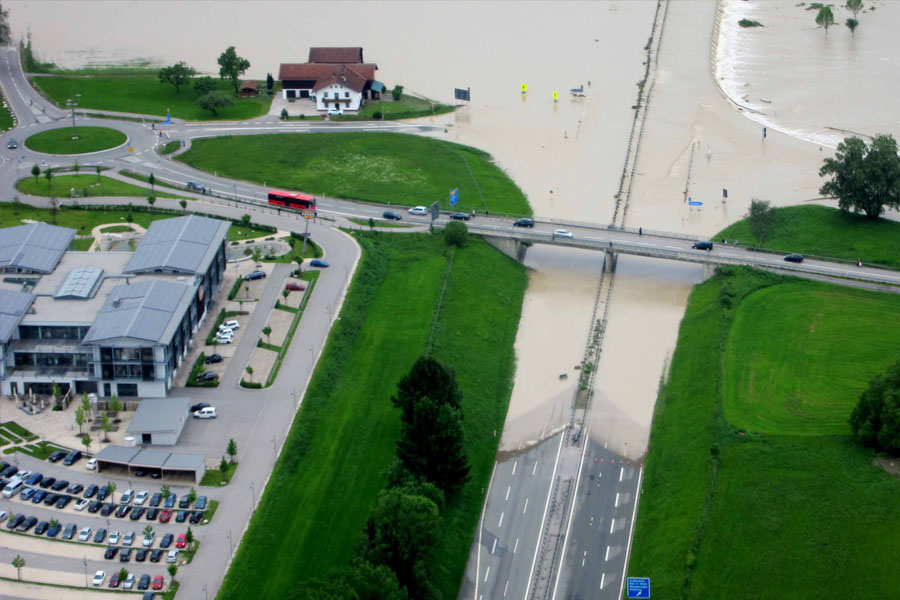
point(76, 140)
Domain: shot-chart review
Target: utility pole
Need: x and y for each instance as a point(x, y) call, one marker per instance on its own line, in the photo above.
point(72, 103)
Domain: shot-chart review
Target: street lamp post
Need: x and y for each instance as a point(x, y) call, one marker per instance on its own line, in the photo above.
point(72, 103)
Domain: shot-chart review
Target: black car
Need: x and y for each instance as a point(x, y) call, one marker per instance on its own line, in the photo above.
point(165, 542)
point(75, 488)
point(702, 245)
point(460, 216)
point(95, 505)
point(208, 376)
point(196, 517)
point(16, 520)
point(794, 258)
point(140, 473)
point(155, 555)
point(155, 499)
point(212, 359)
point(38, 496)
point(196, 187)
point(12, 144)
point(200, 504)
point(54, 529)
point(137, 513)
point(125, 555)
point(182, 516)
point(143, 582)
point(185, 501)
point(47, 482)
point(152, 513)
point(8, 471)
point(391, 215)
point(123, 510)
point(141, 554)
point(59, 485)
point(51, 499)
point(57, 456)
point(100, 536)
point(63, 501)
point(102, 493)
point(111, 552)
point(107, 509)
point(41, 528)
point(72, 457)
point(91, 491)
point(255, 275)
point(524, 223)
point(28, 524)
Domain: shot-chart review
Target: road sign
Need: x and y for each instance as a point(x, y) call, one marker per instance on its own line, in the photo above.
point(695, 203)
point(454, 196)
point(435, 210)
point(462, 94)
point(638, 587)
point(308, 214)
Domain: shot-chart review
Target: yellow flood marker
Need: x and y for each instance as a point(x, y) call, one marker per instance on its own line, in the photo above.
point(524, 88)
point(555, 95)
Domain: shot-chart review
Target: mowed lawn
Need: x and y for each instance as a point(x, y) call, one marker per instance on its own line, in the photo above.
point(83, 140)
point(330, 471)
point(794, 356)
point(824, 231)
point(388, 168)
point(799, 511)
point(144, 94)
point(88, 184)
point(6, 120)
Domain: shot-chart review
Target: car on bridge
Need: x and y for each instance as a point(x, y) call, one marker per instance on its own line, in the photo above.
point(794, 258)
point(196, 187)
point(563, 233)
point(460, 216)
point(391, 216)
point(418, 210)
point(524, 223)
point(702, 245)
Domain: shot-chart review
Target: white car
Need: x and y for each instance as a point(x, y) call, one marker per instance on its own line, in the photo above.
point(129, 582)
point(565, 233)
point(82, 504)
point(172, 556)
point(99, 578)
point(3, 515)
point(418, 210)
point(141, 497)
point(85, 534)
point(126, 497)
point(128, 539)
point(225, 338)
point(205, 413)
point(91, 465)
point(114, 537)
point(230, 325)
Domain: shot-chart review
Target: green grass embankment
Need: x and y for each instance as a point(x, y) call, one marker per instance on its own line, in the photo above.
point(6, 119)
point(824, 231)
point(85, 185)
point(752, 486)
point(80, 141)
point(389, 168)
point(144, 94)
point(408, 107)
point(330, 471)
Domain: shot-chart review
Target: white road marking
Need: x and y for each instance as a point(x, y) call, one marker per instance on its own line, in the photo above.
point(515, 464)
point(607, 554)
point(602, 579)
point(509, 487)
point(672, 247)
point(494, 547)
point(621, 473)
point(534, 469)
point(637, 492)
point(486, 573)
point(572, 512)
point(505, 588)
point(612, 525)
point(546, 507)
point(617, 500)
point(526, 506)
point(500, 524)
point(516, 547)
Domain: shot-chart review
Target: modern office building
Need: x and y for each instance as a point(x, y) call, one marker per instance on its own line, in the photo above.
point(110, 323)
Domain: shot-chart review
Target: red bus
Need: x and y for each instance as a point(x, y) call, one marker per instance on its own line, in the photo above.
point(289, 200)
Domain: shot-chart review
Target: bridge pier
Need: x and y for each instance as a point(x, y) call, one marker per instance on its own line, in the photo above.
point(609, 261)
point(511, 247)
point(709, 269)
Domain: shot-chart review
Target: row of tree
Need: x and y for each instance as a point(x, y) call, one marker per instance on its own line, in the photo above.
point(209, 97)
point(390, 562)
point(825, 16)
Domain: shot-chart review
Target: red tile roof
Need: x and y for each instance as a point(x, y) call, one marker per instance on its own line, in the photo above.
point(352, 76)
point(336, 55)
point(249, 85)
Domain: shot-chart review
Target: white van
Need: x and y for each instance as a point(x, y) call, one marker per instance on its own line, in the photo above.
point(230, 325)
point(13, 488)
point(205, 413)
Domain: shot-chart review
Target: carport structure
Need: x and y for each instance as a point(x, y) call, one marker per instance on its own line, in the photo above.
point(168, 464)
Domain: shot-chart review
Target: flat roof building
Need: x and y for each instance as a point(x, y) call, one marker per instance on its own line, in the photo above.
point(159, 421)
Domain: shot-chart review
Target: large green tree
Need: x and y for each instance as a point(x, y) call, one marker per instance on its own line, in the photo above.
point(427, 377)
point(761, 219)
point(864, 178)
point(875, 420)
point(204, 85)
point(432, 445)
point(178, 74)
point(854, 6)
point(232, 66)
point(4, 26)
point(825, 18)
point(214, 100)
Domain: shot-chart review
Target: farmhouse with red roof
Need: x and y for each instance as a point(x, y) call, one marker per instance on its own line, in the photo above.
point(336, 78)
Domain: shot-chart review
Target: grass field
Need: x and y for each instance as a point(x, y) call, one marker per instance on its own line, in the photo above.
point(309, 519)
point(86, 184)
point(144, 94)
point(407, 107)
point(823, 231)
point(170, 147)
point(390, 168)
point(87, 139)
point(6, 120)
point(794, 511)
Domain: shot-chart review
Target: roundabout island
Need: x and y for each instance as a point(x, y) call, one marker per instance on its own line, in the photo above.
point(77, 140)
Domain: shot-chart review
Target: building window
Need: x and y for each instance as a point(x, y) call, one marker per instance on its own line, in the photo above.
point(346, 94)
point(127, 390)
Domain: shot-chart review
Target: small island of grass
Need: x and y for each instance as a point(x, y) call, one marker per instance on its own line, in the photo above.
point(80, 141)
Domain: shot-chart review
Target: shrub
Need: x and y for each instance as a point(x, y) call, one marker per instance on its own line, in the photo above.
point(875, 421)
point(456, 234)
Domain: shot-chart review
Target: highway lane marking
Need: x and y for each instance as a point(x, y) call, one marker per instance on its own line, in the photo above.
point(612, 525)
point(671, 248)
point(607, 554)
point(572, 512)
point(516, 547)
point(494, 547)
point(515, 464)
point(486, 573)
point(637, 491)
point(602, 579)
point(500, 524)
point(481, 527)
point(526, 506)
point(621, 473)
point(534, 470)
point(617, 500)
point(507, 492)
point(505, 588)
point(546, 507)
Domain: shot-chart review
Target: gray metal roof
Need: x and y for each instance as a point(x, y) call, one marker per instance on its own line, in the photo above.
point(117, 454)
point(185, 461)
point(82, 282)
point(184, 244)
point(159, 415)
point(13, 306)
point(34, 247)
point(150, 458)
point(147, 310)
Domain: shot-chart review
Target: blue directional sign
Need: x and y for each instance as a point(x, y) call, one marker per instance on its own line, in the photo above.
point(454, 196)
point(638, 587)
point(695, 203)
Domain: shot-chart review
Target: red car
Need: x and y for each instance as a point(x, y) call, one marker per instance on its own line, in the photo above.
point(165, 515)
point(158, 582)
point(295, 287)
point(180, 542)
point(114, 580)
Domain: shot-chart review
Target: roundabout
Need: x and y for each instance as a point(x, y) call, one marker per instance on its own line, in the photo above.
point(84, 140)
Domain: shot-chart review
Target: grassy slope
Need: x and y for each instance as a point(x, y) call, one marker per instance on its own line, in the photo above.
point(6, 120)
point(375, 167)
point(106, 187)
point(144, 94)
point(90, 139)
point(783, 515)
point(326, 480)
point(823, 231)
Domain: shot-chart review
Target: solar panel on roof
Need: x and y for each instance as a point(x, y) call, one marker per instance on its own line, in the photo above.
point(81, 282)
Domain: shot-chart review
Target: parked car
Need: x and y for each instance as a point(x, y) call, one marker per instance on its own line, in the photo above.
point(51, 499)
point(108, 509)
point(123, 510)
point(57, 456)
point(27, 493)
point(82, 504)
point(102, 493)
point(34, 479)
point(99, 578)
point(38, 496)
point(13, 488)
point(208, 376)
point(137, 513)
point(91, 464)
point(196, 517)
point(126, 497)
point(794, 258)
point(232, 324)
point(196, 187)
point(165, 515)
point(114, 537)
point(255, 275)
point(72, 457)
point(418, 210)
point(27, 524)
point(182, 516)
point(702, 245)
point(128, 583)
point(166, 540)
point(294, 286)
point(152, 513)
point(15, 521)
point(148, 540)
point(41, 528)
point(224, 339)
point(9, 470)
point(63, 501)
point(3, 515)
point(75, 488)
point(206, 413)
point(111, 552)
point(54, 529)
point(318, 262)
point(91, 490)
point(46, 482)
point(156, 555)
point(141, 554)
point(100, 536)
point(143, 582)
point(185, 502)
point(172, 557)
point(125, 555)
point(128, 539)
point(563, 233)
point(155, 499)
point(69, 531)
point(212, 359)
point(460, 216)
point(200, 504)
point(181, 542)
point(59, 485)
point(158, 582)
point(171, 498)
point(94, 506)
point(141, 497)
point(114, 580)
point(391, 216)
point(524, 223)
point(85, 534)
